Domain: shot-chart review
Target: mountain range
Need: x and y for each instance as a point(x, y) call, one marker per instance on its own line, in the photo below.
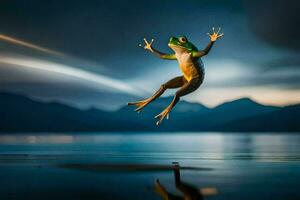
point(19, 113)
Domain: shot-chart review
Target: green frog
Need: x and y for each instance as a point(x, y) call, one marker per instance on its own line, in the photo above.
point(189, 60)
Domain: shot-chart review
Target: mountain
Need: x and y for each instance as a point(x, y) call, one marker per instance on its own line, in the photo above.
point(22, 114)
point(231, 111)
point(286, 119)
point(198, 117)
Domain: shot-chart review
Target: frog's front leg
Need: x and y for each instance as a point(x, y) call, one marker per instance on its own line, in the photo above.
point(148, 46)
point(214, 36)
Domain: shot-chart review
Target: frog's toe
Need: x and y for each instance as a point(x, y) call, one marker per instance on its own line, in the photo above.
point(164, 114)
point(139, 104)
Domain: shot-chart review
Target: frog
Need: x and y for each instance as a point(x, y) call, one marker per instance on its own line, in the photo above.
point(191, 65)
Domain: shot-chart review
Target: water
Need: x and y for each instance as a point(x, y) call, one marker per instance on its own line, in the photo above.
point(125, 166)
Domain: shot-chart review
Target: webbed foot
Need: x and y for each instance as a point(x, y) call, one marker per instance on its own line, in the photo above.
point(139, 104)
point(215, 35)
point(164, 114)
point(148, 45)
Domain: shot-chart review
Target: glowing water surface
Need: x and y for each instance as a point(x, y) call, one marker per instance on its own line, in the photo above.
point(125, 166)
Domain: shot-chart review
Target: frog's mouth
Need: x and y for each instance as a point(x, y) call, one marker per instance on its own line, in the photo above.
point(177, 47)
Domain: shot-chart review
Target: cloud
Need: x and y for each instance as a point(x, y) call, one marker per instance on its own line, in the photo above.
point(265, 95)
point(107, 33)
point(284, 63)
point(29, 45)
point(275, 21)
point(36, 64)
point(291, 81)
point(69, 92)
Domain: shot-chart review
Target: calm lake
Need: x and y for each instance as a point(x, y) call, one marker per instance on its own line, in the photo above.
point(126, 166)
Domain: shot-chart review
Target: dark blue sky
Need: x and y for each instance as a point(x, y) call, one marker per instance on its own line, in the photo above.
point(258, 56)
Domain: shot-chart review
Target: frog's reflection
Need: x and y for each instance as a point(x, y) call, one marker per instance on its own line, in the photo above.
point(190, 192)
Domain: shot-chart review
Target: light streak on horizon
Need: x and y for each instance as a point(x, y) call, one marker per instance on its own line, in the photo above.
point(71, 71)
point(29, 45)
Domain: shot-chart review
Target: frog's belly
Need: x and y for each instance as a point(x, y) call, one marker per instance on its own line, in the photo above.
point(191, 68)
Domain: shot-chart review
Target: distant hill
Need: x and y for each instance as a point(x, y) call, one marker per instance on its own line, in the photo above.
point(285, 119)
point(23, 114)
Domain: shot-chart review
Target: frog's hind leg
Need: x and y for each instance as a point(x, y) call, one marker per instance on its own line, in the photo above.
point(173, 83)
point(187, 88)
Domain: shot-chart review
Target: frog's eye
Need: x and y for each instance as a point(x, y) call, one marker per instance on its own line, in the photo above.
point(183, 39)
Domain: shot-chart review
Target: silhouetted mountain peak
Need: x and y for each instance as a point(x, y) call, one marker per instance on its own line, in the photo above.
point(245, 101)
point(23, 114)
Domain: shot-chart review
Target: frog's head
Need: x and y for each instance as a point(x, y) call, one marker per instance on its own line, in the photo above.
point(181, 44)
